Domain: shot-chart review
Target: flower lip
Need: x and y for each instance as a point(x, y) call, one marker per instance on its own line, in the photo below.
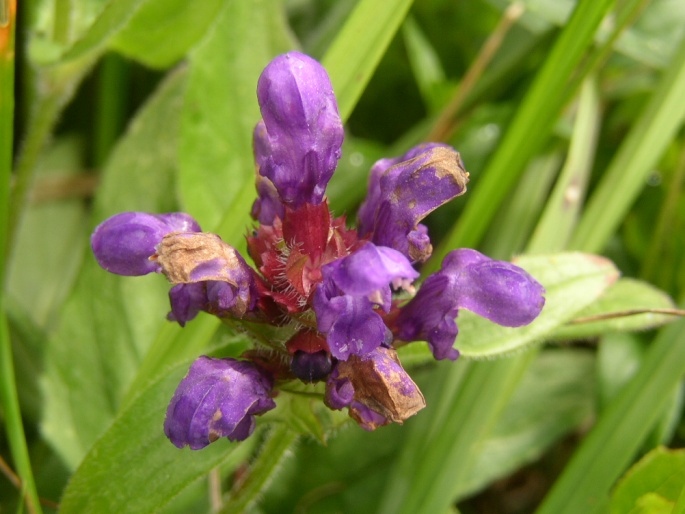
point(496, 290)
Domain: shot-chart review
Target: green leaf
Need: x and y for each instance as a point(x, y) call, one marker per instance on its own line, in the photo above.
point(554, 397)
point(111, 19)
point(134, 467)
point(358, 48)
point(107, 322)
point(221, 110)
point(530, 127)
point(626, 175)
point(661, 472)
point(50, 227)
point(620, 430)
point(161, 31)
point(426, 66)
point(264, 468)
point(573, 281)
point(624, 296)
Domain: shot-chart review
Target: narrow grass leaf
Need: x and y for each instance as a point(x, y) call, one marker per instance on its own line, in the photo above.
point(615, 439)
point(639, 152)
point(530, 127)
point(353, 56)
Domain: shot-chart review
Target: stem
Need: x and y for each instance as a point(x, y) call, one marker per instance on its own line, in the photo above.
point(444, 126)
point(274, 450)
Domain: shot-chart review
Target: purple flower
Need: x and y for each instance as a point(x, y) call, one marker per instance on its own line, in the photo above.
point(124, 243)
point(376, 389)
point(344, 302)
point(404, 191)
point(496, 290)
point(217, 398)
point(299, 146)
point(308, 260)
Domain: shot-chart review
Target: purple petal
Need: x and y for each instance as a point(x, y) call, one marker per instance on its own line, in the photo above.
point(367, 211)
point(217, 398)
point(370, 269)
point(339, 392)
point(404, 193)
point(350, 323)
point(124, 243)
point(186, 300)
point(497, 290)
point(366, 418)
point(304, 132)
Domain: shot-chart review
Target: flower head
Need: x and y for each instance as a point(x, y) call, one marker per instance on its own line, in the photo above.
point(327, 302)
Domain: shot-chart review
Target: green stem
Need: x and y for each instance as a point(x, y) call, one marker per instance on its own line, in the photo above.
point(9, 398)
point(271, 455)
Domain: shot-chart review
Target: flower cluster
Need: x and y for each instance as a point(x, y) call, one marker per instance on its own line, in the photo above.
point(341, 298)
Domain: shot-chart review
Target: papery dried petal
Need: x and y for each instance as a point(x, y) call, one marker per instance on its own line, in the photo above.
point(187, 258)
point(381, 384)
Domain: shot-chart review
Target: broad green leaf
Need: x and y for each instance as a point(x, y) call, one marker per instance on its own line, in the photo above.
point(134, 467)
point(660, 472)
point(44, 263)
point(161, 31)
point(221, 110)
point(554, 398)
point(54, 26)
point(572, 281)
point(113, 16)
point(108, 321)
point(626, 295)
